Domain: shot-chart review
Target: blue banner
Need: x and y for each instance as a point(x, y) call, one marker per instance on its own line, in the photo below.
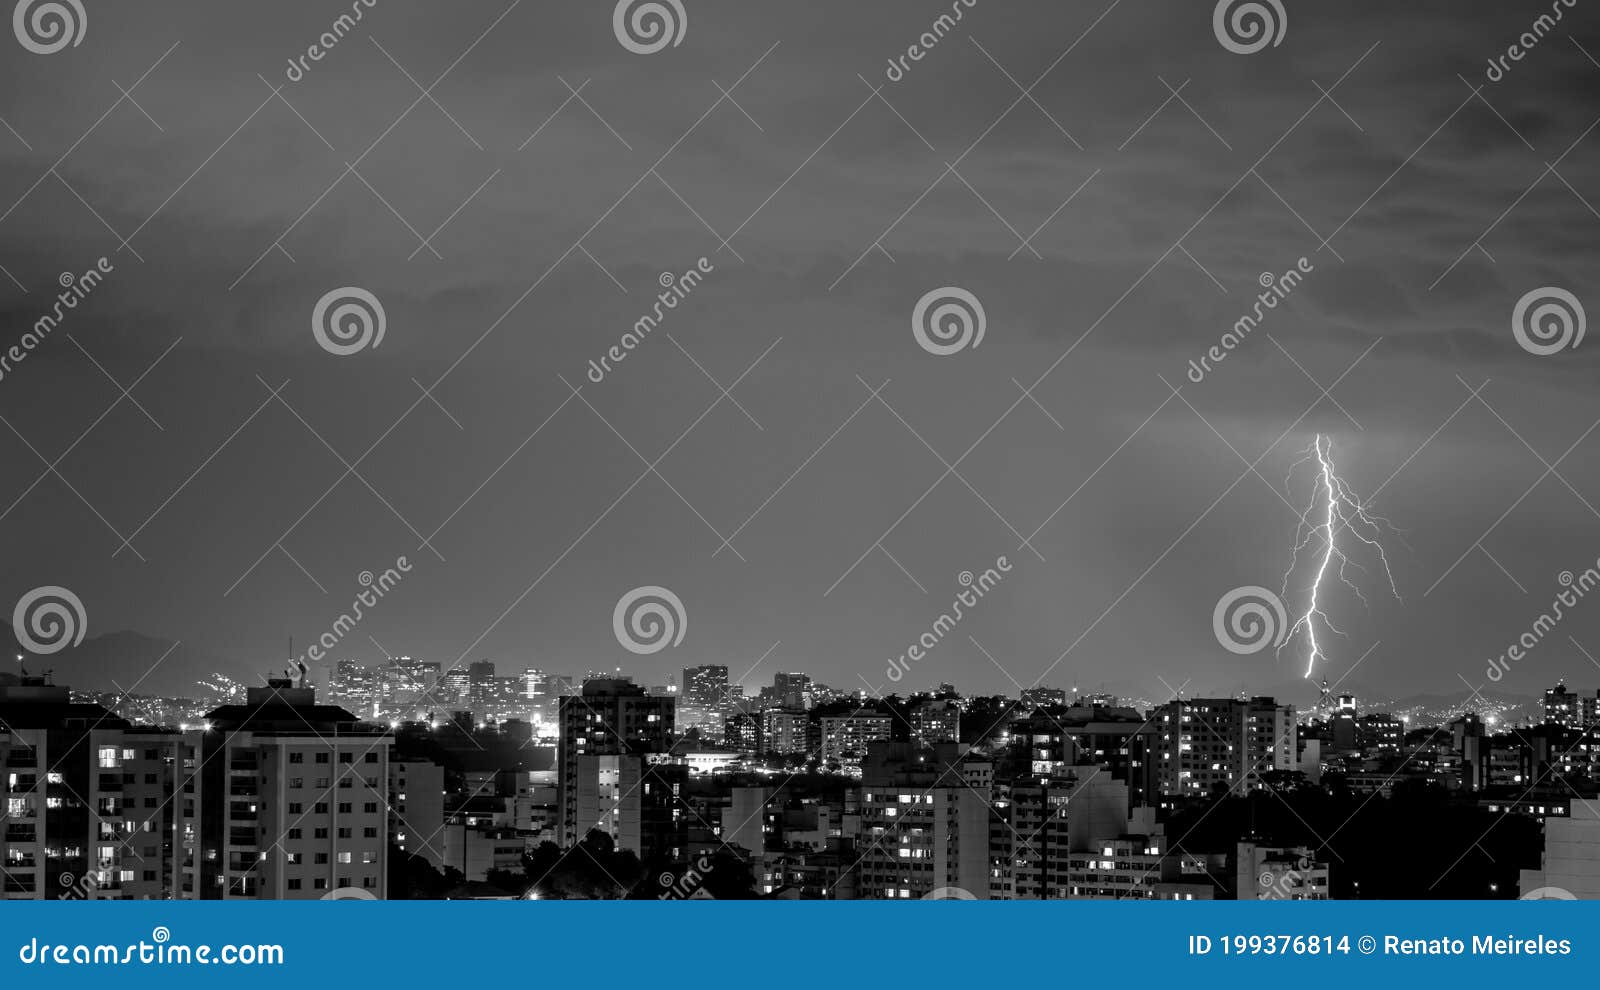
point(138, 944)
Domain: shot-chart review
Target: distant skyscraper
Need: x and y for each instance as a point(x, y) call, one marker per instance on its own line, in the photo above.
point(792, 690)
point(706, 686)
point(535, 684)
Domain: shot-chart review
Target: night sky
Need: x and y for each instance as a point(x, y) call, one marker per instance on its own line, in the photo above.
point(516, 221)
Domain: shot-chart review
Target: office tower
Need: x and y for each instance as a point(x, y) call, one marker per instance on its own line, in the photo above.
point(88, 800)
point(611, 718)
point(358, 687)
point(743, 732)
point(924, 828)
point(706, 686)
point(409, 687)
point(1211, 743)
point(287, 800)
point(704, 700)
point(792, 690)
point(533, 683)
point(416, 808)
point(455, 686)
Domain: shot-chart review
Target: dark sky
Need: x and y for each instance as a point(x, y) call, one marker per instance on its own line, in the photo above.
point(1440, 209)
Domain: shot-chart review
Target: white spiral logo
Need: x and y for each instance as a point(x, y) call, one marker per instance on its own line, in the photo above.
point(647, 27)
point(1548, 320)
point(1245, 27)
point(948, 321)
point(647, 620)
point(349, 320)
point(50, 27)
point(160, 935)
point(349, 894)
point(48, 620)
point(1549, 894)
point(949, 894)
point(1249, 619)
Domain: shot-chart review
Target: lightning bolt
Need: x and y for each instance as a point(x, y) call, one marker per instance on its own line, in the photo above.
point(1334, 511)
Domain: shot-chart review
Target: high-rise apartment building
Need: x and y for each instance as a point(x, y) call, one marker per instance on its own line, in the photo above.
point(87, 800)
point(1211, 743)
point(924, 827)
point(612, 717)
point(286, 800)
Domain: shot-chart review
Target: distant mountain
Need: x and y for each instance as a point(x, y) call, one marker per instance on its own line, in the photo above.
point(120, 660)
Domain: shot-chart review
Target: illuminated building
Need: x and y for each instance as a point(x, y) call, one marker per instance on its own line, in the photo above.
point(924, 828)
point(612, 718)
point(88, 800)
point(290, 797)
